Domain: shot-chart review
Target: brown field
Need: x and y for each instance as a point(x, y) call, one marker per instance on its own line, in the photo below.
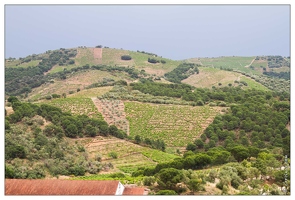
point(157, 72)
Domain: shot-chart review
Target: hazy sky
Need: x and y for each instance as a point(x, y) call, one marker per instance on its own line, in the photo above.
point(172, 31)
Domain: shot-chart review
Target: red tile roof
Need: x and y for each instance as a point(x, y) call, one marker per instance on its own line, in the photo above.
point(133, 191)
point(59, 187)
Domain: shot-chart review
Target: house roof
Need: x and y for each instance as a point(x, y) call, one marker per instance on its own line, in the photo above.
point(133, 191)
point(59, 187)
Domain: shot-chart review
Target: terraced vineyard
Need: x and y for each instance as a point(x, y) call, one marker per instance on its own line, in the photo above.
point(113, 112)
point(90, 93)
point(130, 156)
point(175, 125)
point(77, 106)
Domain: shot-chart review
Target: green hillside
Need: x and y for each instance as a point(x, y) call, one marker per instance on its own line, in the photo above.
point(202, 126)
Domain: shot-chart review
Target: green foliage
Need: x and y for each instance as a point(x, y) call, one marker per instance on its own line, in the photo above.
point(12, 151)
point(191, 147)
point(182, 72)
point(169, 177)
point(166, 192)
point(22, 80)
point(126, 57)
point(113, 155)
point(90, 130)
point(240, 153)
point(153, 60)
point(195, 184)
point(149, 180)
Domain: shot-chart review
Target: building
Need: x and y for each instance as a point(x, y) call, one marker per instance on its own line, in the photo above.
point(68, 187)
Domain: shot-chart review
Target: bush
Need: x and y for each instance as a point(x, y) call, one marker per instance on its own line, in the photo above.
point(153, 60)
point(126, 57)
point(113, 155)
point(166, 192)
point(149, 180)
point(71, 62)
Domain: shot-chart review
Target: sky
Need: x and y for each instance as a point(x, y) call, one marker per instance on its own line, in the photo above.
point(172, 31)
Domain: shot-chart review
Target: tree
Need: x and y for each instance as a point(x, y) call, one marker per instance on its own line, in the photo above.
point(12, 99)
point(191, 147)
point(137, 139)
point(202, 160)
point(189, 162)
point(199, 143)
point(52, 130)
point(90, 130)
point(41, 140)
point(169, 177)
point(195, 184)
point(240, 153)
point(12, 151)
point(104, 130)
point(126, 57)
point(71, 130)
point(244, 141)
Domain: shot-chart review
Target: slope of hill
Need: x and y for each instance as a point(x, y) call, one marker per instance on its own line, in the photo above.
point(219, 128)
point(209, 77)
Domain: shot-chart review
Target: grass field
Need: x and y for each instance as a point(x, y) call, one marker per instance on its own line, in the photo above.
point(58, 68)
point(139, 60)
point(89, 93)
point(253, 84)
point(32, 63)
point(175, 125)
point(77, 106)
point(281, 69)
point(113, 57)
point(80, 80)
point(209, 77)
point(234, 62)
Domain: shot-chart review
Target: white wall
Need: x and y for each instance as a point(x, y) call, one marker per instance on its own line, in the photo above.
point(120, 189)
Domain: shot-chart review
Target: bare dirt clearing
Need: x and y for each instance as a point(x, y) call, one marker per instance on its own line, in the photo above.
point(97, 54)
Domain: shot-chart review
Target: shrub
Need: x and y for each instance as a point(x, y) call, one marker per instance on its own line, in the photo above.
point(126, 57)
point(166, 192)
point(48, 97)
point(149, 180)
point(153, 60)
point(113, 155)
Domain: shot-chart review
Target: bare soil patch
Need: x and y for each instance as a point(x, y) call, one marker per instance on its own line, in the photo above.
point(157, 72)
point(97, 54)
point(9, 110)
